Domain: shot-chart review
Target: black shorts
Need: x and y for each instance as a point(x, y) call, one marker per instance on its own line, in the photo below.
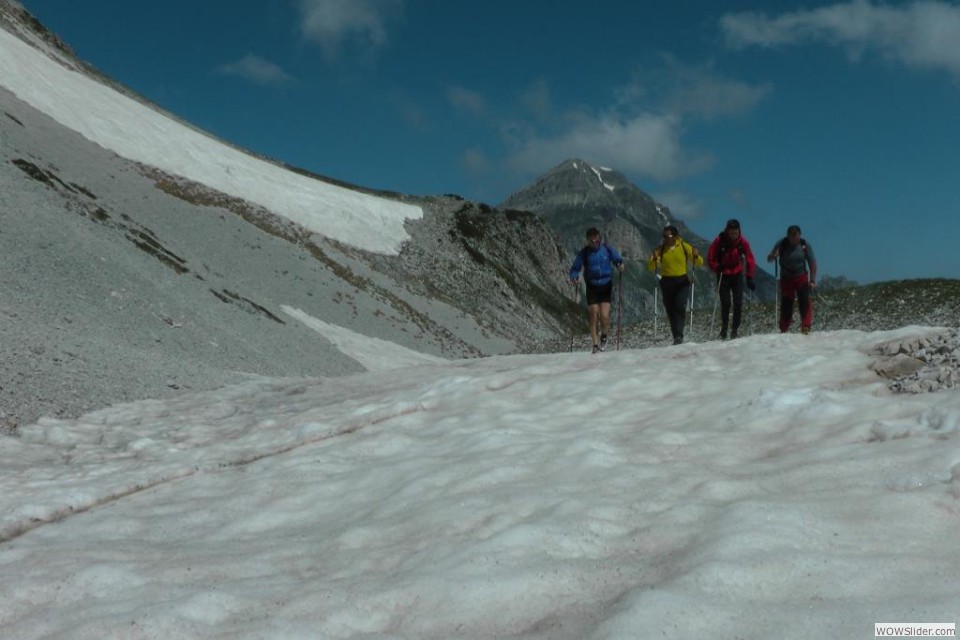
point(598, 294)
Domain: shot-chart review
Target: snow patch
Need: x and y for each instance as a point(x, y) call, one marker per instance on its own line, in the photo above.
point(139, 133)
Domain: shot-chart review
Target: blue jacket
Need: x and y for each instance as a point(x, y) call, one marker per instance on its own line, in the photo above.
point(596, 263)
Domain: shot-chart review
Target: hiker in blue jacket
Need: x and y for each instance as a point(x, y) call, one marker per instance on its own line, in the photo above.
point(597, 261)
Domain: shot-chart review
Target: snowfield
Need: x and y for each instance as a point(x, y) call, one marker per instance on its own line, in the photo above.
point(770, 486)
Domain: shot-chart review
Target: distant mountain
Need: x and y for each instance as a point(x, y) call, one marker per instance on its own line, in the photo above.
point(576, 195)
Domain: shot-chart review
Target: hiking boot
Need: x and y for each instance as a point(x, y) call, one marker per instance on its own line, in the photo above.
point(603, 342)
point(805, 331)
point(723, 334)
point(678, 340)
point(733, 334)
point(596, 349)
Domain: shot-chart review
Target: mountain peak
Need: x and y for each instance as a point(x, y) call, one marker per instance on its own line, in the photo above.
point(602, 175)
point(577, 184)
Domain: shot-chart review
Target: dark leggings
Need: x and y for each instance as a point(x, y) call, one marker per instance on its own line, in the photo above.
point(731, 286)
point(675, 290)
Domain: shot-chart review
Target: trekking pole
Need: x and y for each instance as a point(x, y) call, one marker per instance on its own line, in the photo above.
point(619, 307)
point(749, 297)
point(576, 302)
point(691, 264)
point(693, 289)
point(716, 303)
point(827, 303)
point(776, 304)
point(751, 300)
point(656, 304)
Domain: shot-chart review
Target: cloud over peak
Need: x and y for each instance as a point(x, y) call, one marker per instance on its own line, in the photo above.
point(647, 143)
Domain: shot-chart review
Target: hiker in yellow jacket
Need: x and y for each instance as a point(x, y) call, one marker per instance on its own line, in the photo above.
point(672, 258)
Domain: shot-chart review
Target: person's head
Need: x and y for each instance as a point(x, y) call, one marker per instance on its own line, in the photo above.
point(732, 229)
point(670, 234)
point(593, 236)
point(793, 234)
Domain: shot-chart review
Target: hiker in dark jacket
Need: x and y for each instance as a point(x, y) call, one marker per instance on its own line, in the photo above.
point(795, 256)
point(597, 261)
point(731, 258)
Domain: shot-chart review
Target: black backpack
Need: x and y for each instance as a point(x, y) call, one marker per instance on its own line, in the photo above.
point(726, 245)
point(784, 245)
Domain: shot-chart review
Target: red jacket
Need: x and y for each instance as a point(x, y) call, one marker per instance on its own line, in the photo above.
point(728, 257)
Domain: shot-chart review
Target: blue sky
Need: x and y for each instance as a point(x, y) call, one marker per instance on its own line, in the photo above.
point(837, 116)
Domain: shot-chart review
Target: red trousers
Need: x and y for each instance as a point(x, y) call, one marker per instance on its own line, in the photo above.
point(797, 287)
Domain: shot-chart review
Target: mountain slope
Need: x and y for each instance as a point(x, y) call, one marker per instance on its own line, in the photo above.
point(129, 280)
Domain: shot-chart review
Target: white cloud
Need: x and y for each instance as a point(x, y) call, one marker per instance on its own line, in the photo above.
point(641, 132)
point(922, 34)
point(673, 86)
point(648, 144)
point(466, 100)
point(538, 100)
point(703, 92)
point(257, 70)
point(330, 23)
point(474, 161)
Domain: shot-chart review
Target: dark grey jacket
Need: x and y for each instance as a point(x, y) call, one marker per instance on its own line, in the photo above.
point(794, 259)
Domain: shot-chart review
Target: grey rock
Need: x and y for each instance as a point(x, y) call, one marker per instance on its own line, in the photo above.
point(935, 361)
point(898, 365)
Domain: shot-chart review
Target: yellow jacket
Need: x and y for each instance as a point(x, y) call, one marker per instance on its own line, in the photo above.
point(674, 260)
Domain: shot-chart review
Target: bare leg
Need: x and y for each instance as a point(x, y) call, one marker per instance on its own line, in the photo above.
point(593, 313)
point(605, 318)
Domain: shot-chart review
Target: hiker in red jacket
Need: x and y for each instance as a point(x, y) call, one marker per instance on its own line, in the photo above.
point(731, 259)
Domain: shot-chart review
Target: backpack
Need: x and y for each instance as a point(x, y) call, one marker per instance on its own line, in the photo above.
point(785, 242)
point(726, 245)
point(583, 252)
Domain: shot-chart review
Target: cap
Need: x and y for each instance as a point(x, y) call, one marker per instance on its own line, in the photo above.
point(732, 223)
